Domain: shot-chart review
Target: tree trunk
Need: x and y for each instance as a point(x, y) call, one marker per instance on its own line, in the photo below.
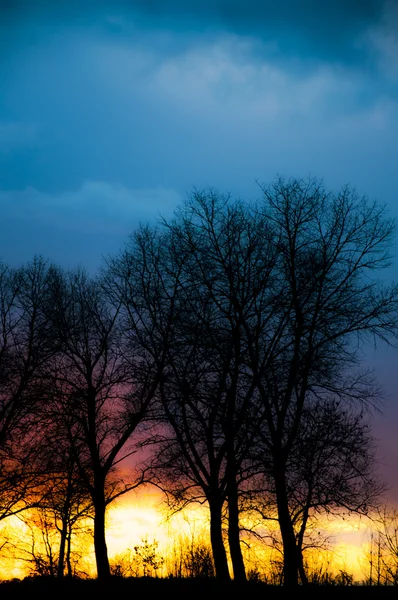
point(65, 515)
point(238, 564)
point(300, 541)
point(68, 554)
point(100, 548)
point(217, 543)
point(301, 568)
point(62, 545)
point(290, 551)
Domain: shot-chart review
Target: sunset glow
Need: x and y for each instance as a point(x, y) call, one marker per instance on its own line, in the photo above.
point(142, 516)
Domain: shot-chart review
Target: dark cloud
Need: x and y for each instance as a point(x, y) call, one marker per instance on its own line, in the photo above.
point(326, 31)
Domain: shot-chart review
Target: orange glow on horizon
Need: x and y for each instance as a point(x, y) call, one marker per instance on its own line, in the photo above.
point(141, 515)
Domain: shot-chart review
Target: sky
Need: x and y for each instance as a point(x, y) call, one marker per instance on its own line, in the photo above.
point(112, 112)
point(134, 518)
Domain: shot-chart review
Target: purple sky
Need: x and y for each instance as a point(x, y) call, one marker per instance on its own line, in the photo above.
point(112, 112)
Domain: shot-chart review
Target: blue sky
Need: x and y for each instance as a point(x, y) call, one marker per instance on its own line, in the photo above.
point(112, 112)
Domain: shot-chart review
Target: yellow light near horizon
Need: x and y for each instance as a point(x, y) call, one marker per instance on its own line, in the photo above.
point(9, 567)
point(349, 558)
point(142, 515)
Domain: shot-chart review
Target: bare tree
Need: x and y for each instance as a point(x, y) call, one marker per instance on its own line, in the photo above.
point(330, 471)
point(330, 248)
point(151, 278)
point(101, 390)
point(333, 471)
point(40, 546)
point(26, 344)
point(198, 268)
point(254, 311)
point(65, 502)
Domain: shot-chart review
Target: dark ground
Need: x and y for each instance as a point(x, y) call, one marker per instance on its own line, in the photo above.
point(148, 589)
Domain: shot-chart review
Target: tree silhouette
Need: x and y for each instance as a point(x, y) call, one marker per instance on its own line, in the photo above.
point(330, 471)
point(97, 392)
point(65, 503)
point(273, 302)
point(330, 247)
point(196, 268)
point(26, 345)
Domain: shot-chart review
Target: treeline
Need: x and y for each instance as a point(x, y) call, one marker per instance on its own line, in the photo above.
point(227, 342)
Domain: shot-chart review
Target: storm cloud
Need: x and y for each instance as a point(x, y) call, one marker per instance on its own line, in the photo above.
point(154, 95)
point(328, 31)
